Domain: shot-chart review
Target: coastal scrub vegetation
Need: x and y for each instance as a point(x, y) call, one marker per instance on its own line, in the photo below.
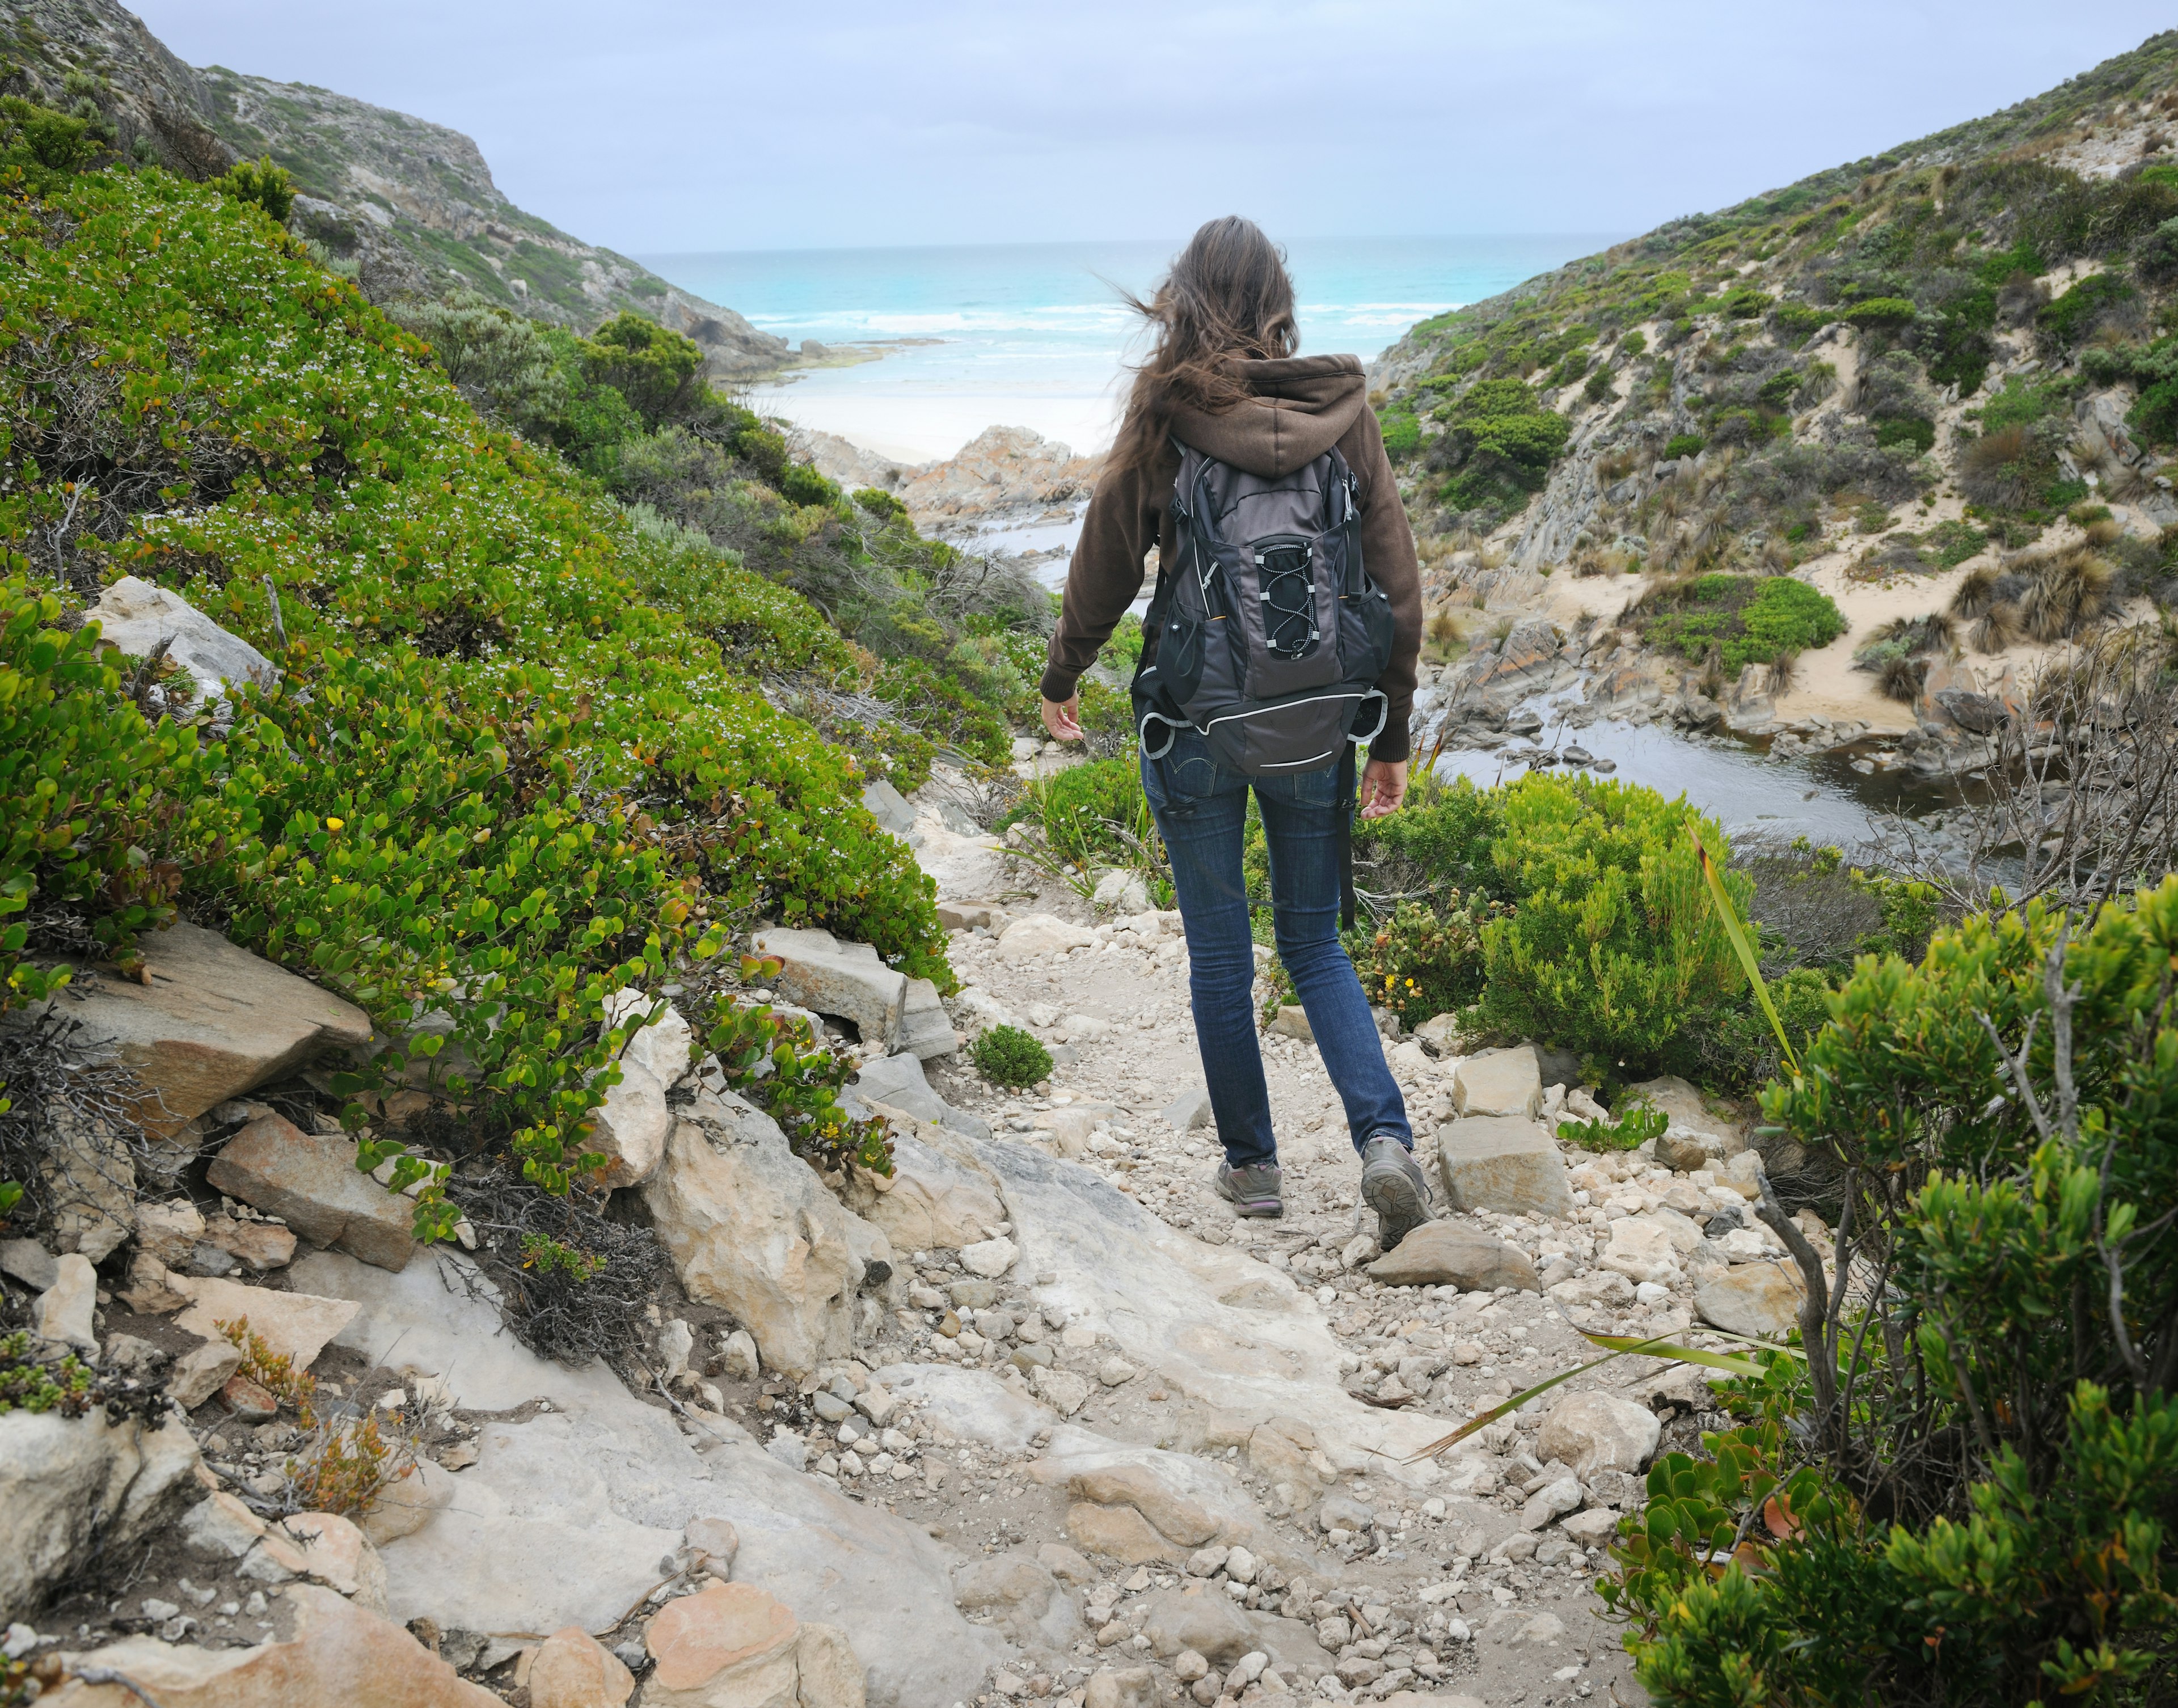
point(517, 754)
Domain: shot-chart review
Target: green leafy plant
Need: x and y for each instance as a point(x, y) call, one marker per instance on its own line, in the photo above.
point(27, 1385)
point(1424, 960)
point(1633, 1130)
point(1007, 1055)
point(260, 183)
point(1963, 1495)
point(1610, 947)
point(1683, 444)
point(777, 1062)
point(1497, 446)
point(546, 1256)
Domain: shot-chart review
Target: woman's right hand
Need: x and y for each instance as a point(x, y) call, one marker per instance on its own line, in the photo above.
point(1062, 718)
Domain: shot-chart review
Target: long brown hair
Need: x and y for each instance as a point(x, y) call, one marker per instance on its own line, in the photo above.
point(1226, 297)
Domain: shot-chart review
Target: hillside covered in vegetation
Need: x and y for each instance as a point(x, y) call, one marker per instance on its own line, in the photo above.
point(1956, 354)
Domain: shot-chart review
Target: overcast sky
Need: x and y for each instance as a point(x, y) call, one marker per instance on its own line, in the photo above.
point(668, 125)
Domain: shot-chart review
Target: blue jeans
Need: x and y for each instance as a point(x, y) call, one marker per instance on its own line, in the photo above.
point(1202, 812)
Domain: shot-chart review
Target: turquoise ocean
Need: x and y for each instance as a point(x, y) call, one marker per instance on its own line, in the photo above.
point(1034, 335)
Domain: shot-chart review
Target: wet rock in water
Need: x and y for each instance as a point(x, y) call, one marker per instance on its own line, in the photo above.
point(1595, 1433)
point(1754, 1298)
point(1502, 1163)
point(309, 1180)
point(1577, 755)
point(1446, 1251)
point(1499, 1082)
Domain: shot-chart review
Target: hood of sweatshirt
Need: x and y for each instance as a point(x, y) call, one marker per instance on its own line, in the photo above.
point(1301, 406)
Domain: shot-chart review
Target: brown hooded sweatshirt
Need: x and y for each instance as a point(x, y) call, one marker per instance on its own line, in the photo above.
point(1302, 406)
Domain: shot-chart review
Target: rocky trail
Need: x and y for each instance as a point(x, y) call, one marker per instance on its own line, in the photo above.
point(1035, 1419)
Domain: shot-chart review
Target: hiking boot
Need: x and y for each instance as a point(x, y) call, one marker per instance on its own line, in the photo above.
point(1256, 1190)
point(1394, 1185)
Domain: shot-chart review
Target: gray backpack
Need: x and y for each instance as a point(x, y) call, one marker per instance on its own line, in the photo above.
point(1270, 635)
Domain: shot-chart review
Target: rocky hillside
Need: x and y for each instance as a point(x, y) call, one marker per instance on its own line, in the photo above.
point(408, 207)
point(1930, 385)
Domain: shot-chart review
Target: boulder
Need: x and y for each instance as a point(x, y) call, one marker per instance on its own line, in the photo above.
point(571, 1669)
point(1439, 1035)
point(310, 1182)
point(213, 1022)
point(169, 1231)
point(1033, 934)
point(75, 1488)
point(1201, 1618)
point(898, 1081)
point(1550, 1503)
point(925, 1029)
point(338, 1555)
point(1122, 891)
point(1595, 1433)
point(1686, 1108)
point(1499, 1082)
point(296, 1325)
point(848, 981)
point(631, 1127)
point(28, 1263)
point(1502, 1163)
point(258, 1246)
point(201, 1372)
point(1641, 1250)
point(89, 1176)
point(136, 615)
point(63, 1312)
point(1685, 1149)
point(932, 1201)
point(1187, 1501)
point(990, 1257)
point(1442, 1253)
point(889, 807)
point(1189, 1110)
point(340, 1653)
point(733, 1646)
point(750, 1228)
point(1759, 1299)
point(1291, 1021)
point(1121, 1687)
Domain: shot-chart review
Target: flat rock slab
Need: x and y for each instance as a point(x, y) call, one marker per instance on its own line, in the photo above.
point(310, 1182)
point(214, 1021)
point(336, 1647)
point(1502, 1163)
point(848, 981)
point(932, 1201)
point(589, 1495)
point(1758, 1299)
point(899, 1082)
point(1209, 1321)
point(1444, 1252)
point(1499, 1082)
point(296, 1325)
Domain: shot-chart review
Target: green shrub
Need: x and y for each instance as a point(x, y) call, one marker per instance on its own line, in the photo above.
point(880, 504)
point(1683, 444)
point(1007, 1055)
point(655, 369)
point(1600, 387)
point(260, 183)
point(1785, 615)
point(1424, 960)
point(1964, 1495)
point(91, 798)
point(1634, 345)
point(1751, 620)
point(1498, 444)
point(1611, 948)
point(1439, 841)
point(1402, 434)
point(497, 783)
point(1630, 1133)
point(1746, 303)
point(2066, 322)
point(43, 143)
point(1915, 431)
point(1880, 314)
point(777, 1062)
point(1093, 814)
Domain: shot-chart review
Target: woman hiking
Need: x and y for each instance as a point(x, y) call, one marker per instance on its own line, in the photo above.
point(1261, 477)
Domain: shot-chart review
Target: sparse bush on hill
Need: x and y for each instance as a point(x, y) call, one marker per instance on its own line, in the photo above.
point(1498, 446)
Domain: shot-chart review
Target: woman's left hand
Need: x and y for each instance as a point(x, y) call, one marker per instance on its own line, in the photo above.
point(1383, 786)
